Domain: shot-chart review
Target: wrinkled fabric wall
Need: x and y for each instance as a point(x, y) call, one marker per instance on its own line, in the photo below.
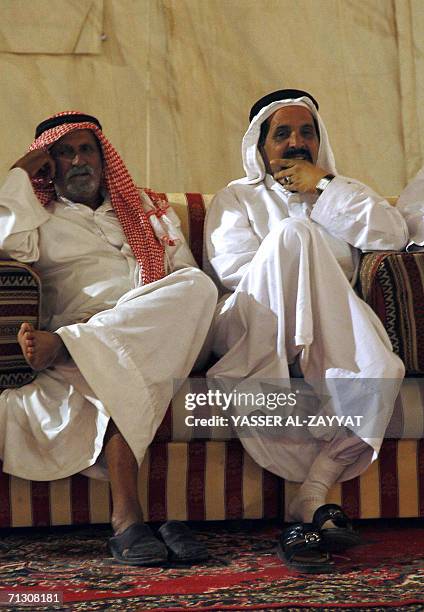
point(172, 81)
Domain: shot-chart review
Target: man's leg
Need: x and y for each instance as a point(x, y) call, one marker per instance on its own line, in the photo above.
point(134, 542)
point(123, 472)
point(331, 462)
point(42, 349)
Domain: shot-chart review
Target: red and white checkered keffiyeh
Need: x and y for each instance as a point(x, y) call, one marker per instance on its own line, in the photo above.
point(138, 213)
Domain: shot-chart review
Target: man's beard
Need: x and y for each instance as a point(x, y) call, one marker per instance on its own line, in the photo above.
point(80, 187)
point(298, 152)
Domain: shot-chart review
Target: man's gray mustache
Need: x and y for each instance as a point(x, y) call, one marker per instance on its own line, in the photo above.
point(80, 170)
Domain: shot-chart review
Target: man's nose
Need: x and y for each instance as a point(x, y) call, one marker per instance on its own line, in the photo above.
point(295, 138)
point(76, 160)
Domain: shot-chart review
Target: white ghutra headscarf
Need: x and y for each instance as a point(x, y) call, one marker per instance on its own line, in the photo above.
point(252, 159)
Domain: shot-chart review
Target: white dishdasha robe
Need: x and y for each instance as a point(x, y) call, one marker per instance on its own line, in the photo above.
point(287, 259)
point(128, 342)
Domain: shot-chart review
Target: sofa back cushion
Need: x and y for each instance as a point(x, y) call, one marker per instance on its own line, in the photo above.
point(19, 301)
point(393, 285)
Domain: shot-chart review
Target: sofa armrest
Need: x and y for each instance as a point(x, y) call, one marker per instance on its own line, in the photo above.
point(392, 284)
point(19, 301)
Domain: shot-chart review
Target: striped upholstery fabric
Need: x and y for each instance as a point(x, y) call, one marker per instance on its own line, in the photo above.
point(19, 301)
point(392, 487)
point(215, 478)
point(392, 284)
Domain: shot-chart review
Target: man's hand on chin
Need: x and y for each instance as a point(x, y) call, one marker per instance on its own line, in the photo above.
point(297, 174)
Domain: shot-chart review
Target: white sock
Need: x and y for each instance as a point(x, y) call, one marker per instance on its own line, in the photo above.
point(313, 493)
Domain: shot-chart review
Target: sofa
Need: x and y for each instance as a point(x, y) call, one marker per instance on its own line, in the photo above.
point(212, 478)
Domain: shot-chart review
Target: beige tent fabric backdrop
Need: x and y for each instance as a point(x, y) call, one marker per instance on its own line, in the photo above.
point(172, 81)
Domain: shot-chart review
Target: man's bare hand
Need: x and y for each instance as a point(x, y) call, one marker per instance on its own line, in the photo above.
point(297, 174)
point(37, 163)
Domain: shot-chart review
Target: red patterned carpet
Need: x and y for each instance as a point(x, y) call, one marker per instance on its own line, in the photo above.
point(244, 573)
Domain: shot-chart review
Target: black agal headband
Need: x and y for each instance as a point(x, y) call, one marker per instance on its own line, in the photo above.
point(53, 122)
point(277, 96)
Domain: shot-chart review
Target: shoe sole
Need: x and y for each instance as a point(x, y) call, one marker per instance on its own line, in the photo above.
point(305, 568)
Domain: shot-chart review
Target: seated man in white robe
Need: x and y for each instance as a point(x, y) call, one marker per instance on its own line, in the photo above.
point(124, 314)
point(285, 241)
point(411, 205)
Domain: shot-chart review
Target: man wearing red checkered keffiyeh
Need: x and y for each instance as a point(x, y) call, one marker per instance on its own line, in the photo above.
point(124, 314)
point(116, 179)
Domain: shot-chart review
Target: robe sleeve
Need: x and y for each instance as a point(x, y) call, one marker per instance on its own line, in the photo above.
point(21, 214)
point(411, 206)
point(230, 241)
point(353, 212)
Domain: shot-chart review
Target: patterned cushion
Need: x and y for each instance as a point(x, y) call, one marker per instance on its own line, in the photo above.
point(19, 301)
point(392, 284)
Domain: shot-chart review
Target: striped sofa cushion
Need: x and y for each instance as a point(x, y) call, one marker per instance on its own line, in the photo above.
point(216, 481)
point(19, 301)
point(392, 284)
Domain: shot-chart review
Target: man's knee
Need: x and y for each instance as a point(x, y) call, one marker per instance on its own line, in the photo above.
point(388, 367)
point(393, 367)
point(295, 228)
point(291, 234)
point(200, 286)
